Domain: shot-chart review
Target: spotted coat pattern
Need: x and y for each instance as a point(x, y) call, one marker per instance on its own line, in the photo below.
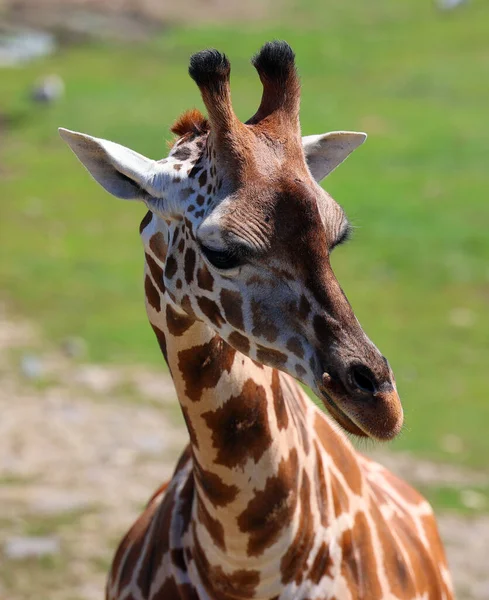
point(269, 500)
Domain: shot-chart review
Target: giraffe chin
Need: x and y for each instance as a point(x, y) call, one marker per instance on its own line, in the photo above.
point(340, 417)
point(380, 423)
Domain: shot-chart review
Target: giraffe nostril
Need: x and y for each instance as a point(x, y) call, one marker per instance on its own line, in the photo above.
point(363, 379)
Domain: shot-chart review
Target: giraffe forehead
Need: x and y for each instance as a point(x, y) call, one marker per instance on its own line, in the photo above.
point(265, 219)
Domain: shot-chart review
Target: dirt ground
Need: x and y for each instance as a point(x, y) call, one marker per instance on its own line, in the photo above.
point(120, 18)
point(82, 447)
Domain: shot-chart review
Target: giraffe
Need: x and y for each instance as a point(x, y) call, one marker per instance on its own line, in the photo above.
point(269, 500)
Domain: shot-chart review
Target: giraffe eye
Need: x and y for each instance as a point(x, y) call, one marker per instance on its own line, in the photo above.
point(222, 259)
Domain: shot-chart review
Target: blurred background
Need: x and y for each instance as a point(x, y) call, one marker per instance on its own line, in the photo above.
point(89, 423)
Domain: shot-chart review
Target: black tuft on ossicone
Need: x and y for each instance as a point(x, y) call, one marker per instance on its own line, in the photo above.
point(208, 66)
point(275, 60)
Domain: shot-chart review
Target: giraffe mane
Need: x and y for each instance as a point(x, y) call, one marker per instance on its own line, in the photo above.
point(191, 121)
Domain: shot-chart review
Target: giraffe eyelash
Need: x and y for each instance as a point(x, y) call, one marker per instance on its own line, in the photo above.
point(344, 236)
point(222, 259)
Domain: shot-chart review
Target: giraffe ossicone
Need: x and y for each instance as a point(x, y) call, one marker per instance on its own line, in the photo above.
point(269, 500)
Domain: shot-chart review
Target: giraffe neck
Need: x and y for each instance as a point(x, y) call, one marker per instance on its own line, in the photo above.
point(248, 437)
point(247, 425)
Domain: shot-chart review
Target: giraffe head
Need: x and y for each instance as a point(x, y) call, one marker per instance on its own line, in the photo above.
point(245, 233)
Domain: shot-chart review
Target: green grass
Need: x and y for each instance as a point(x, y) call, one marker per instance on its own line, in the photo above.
point(55, 575)
point(413, 78)
point(457, 500)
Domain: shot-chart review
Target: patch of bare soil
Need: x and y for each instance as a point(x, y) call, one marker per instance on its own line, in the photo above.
point(82, 447)
point(122, 18)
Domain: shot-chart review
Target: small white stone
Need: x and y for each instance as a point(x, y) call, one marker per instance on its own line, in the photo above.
point(31, 366)
point(19, 548)
point(47, 90)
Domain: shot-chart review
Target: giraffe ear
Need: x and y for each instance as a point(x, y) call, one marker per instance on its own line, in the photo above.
point(326, 151)
point(122, 172)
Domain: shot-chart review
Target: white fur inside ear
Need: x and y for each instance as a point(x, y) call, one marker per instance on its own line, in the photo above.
point(121, 171)
point(326, 151)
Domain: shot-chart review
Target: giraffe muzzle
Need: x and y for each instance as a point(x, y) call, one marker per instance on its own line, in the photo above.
point(362, 404)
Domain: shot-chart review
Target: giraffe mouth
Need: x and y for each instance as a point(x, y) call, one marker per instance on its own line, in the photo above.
point(378, 415)
point(338, 414)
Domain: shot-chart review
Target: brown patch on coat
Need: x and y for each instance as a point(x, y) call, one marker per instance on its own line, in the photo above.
point(160, 336)
point(158, 245)
point(240, 427)
point(232, 305)
point(190, 260)
point(218, 493)
point(203, 178)
point(320, 486)
point(169, 590)
point(181, 153)
point(398, 571)
point(178, 559)
point(171, 267)
point(322, 565)
point(279, 402)
point(177, 323)
point(146, 221)
point(270, 357)
point(437, 557)
point(202, 366)
point(321, 327)
point(156, 272)
point(205, 280)
point(187, 592)
point(152, 295)
point(272, 508)
point(220, 585)
point(300, 424)
point(262, 327)
point(186, 193)
point(186, 304)
point(341, 501)
point(156, 517)
point(425, 561)
point(210, 309)
point(130, 549)
point(194, 440)
point(294, 345)
point(214, 527)
point(358, 565)
point(341, 454)
point(304, 308)
point(294, 561)
point(240, 342)
point(186, 499)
